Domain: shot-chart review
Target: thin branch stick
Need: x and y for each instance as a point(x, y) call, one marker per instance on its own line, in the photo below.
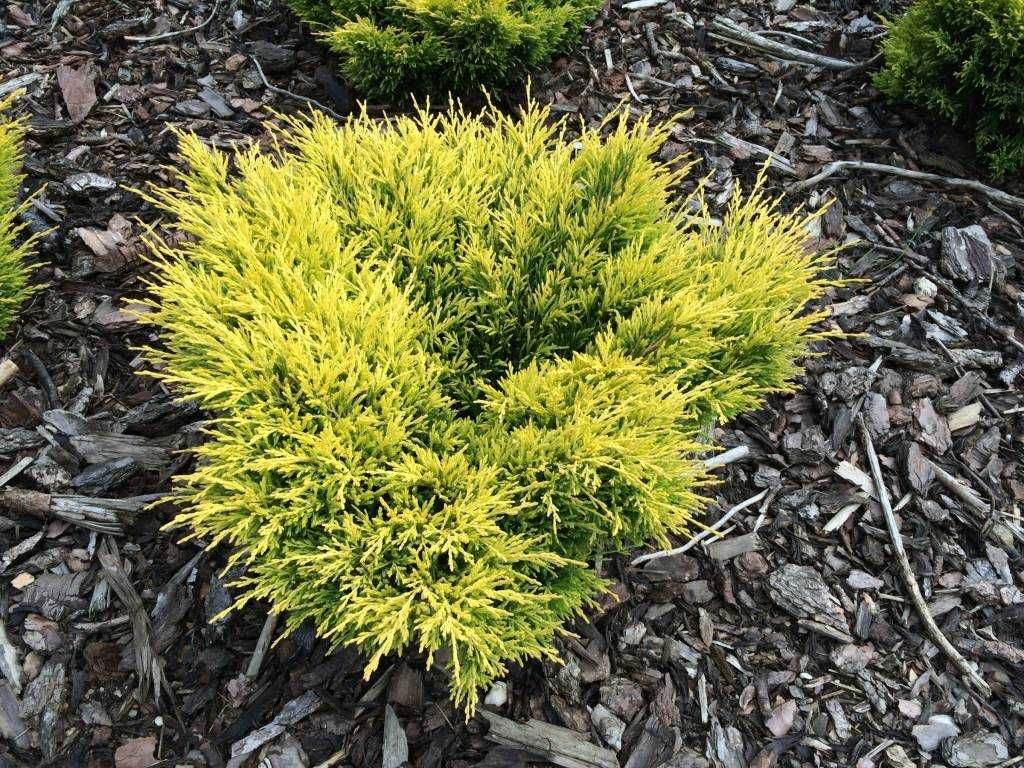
point(966, 495)
point(908, 574)
point(334, 759)
point(970, 499)
point(728, 30)
point(175, 33)
point(16, 469)
point(713, 530)
point(727, 457)
point(1005, 333)
point(99, 626)
point(282, 92)
point(948, 181)
point(262, 646)
point(101, 515)
point(776, 160)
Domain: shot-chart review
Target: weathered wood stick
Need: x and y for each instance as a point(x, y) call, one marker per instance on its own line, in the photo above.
point(562, 746)
point(907, 572)
point(947, 181)
point(723, 27)
point(102, 515)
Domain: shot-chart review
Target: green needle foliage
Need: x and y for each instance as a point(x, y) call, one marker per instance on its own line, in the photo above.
point(14, 249)
point(393, 48)
point(453, 360)
point(964, 60)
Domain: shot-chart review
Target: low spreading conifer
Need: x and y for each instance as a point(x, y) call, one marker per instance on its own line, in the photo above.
point(964, 60)
point(391, 49)
point(453, 360)
point(14, 249)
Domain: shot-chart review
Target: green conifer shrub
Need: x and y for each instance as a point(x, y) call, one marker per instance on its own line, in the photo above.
point(14, 249)
point(453, 360)
point(390, 49)
point(964, 60)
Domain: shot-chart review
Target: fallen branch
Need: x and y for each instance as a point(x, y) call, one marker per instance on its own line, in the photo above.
point(1005, 333)
point(741, 147)
point(101, 515)
point(561, 746)
point(262, 646)
point(948, 181)
point(964, 493)
point(175, 33)
point(726, 29)
point(16, 469)
point(908, 574)
point(713, 530)
point(282, 92)
point(99, 626)
point(727, 457)
point(334, 759)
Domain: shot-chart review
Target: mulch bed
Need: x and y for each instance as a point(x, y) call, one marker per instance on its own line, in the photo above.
point(792, 640)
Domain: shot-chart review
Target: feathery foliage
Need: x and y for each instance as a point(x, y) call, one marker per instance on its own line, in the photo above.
point(964, 60)
point(14, 288)
point(454, 360)
point(393, 48)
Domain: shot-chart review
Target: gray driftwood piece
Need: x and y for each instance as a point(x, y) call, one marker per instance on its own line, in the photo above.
point(151, 453)
point(561, 746)
point(102, 515)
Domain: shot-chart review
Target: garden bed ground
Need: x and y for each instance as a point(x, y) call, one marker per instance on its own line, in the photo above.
point(792, 641)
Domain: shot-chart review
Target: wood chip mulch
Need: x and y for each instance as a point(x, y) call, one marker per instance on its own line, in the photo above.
point(793, 639)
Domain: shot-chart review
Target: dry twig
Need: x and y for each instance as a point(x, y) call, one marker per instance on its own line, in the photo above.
point(713, 530)
point(175, 33)
point(561, 746)
point(727, 457)
point(262, 646)
point(101, 515)
point(947, 181)
point(727, 30)
point(908, 574)
point(282, 92)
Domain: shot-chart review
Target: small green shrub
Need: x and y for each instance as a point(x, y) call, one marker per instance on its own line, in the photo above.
point(453, 360)
point(390, 49)
point(14, 288)
point(964, 60)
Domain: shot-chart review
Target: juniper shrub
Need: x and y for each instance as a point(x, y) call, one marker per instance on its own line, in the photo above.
point(390, 50)
point(454, 360)
point(964, 60)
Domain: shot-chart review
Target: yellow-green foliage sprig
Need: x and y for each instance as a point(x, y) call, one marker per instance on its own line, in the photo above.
point(14, 249)
point(453, 360)
point(391, 49)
